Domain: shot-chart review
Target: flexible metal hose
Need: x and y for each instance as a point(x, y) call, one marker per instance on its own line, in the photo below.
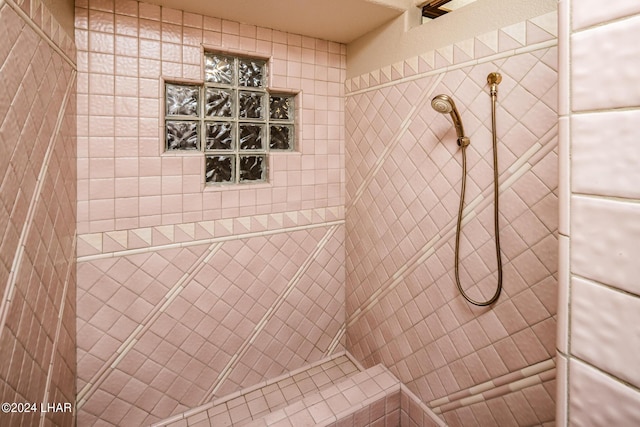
point(495, 211)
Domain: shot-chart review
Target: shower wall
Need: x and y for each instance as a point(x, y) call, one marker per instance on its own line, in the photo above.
point(598, 336)
point(188, 293)
point(37, 214)
point(472, 366)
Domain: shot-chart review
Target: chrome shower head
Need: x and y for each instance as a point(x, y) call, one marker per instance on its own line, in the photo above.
point(445, 105)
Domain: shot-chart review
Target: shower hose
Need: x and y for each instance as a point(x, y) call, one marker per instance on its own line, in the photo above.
point(495, 211)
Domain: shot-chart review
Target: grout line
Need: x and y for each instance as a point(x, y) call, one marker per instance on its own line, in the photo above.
point(70, 267)
point(605, 198)
point(404, 127)
point(606, 286)
point(336, 339)
point(404, 389)
point(355, 361)
point(601, 371)
point(144, 325)
point(480, 202)
point(523, 159)
point(35, 199)
point(245, 391)
point(41, 33)
point(224, 374)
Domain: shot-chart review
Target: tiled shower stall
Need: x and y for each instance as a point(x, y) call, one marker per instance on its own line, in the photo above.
point(137, 293)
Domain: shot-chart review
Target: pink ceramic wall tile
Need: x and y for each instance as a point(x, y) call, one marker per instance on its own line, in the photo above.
point(176, 57)
point(194, 322)
point(157, 196)
point(45, 252)
point(386, 208)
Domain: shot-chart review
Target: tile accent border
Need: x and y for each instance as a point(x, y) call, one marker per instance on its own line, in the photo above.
point(404, 127)
point(101, 375)
point(63, 307)
point(8, 296)
point(125, 242)
point(533, 34)
point(531, 375)
point(546, 144)
point(268, 315)
point(39, 18)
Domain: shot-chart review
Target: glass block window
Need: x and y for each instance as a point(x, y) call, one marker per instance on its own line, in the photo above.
point(232, 118)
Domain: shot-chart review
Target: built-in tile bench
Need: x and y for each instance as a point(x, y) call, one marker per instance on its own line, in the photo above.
point(371, 397)
point(334, 392)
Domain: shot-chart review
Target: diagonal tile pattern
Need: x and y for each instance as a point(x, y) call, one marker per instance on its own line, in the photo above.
point(257, 401)
point(403, 309)
point(186, 293)
point(164, 331)
point(303, 324)
point(37, 213)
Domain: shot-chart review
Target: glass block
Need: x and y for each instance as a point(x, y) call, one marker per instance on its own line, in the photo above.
point(250, 105)
point(219, 102)
point(219, 136)
point(251, 137)
point(182, 135)
point(219, 169)
point(281, 107)
point(250, 72)
point(281, 137)
point(252, 168)
point(218, 69)
point(181, 100)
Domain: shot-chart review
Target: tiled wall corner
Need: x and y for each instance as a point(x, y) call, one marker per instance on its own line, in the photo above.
point(37, 214)
point(403, 179)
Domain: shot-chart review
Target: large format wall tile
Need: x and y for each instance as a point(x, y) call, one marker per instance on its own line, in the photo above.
point(588, 12)
point(616, 403)
point(604, 243)
point(604, 155)
point(610, 80)
point(606, 329)
point(599, 214)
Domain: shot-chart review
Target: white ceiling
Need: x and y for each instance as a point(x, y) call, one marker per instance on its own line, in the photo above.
point(336, 20)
